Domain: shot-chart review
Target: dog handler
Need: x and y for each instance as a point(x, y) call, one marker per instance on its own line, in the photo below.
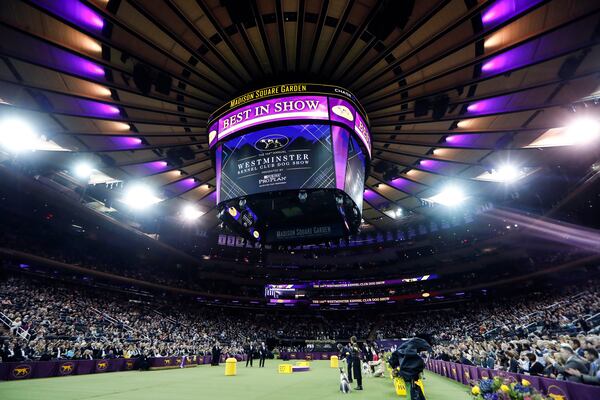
point(355, 361)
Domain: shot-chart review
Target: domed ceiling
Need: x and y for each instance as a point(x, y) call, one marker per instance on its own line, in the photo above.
point(459, 93)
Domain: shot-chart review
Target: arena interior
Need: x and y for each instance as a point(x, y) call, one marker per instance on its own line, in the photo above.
point(299, 199)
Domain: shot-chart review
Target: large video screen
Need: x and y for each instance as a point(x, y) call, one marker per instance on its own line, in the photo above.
point(282, 158)
point(355, 172)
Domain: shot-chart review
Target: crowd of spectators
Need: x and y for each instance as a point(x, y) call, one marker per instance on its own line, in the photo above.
point(52, 320)
point(539, 333)
point(554, 335)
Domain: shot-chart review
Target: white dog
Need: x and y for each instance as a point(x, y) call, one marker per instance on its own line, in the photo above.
point(344, 384)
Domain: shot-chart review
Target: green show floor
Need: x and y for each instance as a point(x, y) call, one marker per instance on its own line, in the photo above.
point(205, 382)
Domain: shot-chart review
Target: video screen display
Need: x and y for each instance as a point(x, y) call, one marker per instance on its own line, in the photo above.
point(281, 158)
point(355, 172)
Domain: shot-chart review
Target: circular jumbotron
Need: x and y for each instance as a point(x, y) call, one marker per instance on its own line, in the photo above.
point(291, 163)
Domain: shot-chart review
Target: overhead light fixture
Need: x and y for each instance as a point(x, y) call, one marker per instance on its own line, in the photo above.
point(140, 197)
point(17, 135)
point(450, 196)
point(83, 170)
point(583, 130)
point(190, 213)
point(580, 131)
point(507, 173)
point(395, 213)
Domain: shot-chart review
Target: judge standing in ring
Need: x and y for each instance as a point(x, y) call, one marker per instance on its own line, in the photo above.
point(249, 353)
point(262, 353)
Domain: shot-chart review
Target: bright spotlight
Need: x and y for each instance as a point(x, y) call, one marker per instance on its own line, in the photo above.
point(507, 173)
point(140, 197)
point(397, 213)
point(190, 213)
point(17, 136)
point(450, 196)
point(583, 130)
point(83, 170)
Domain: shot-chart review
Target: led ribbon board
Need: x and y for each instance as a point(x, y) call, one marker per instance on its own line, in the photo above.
point(333, 107)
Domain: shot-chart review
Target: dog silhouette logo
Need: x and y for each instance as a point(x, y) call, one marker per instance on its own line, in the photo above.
point(21, 371)
point(102, 365)
point(271, 142)
point(167, 361)
point(66, 368)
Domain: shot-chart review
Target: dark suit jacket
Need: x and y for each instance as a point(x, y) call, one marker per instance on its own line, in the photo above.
point(575, 363)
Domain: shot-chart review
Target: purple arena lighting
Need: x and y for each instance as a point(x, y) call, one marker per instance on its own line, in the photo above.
point(73, 11)
point(432, 165)
point(369, 194)
point(182, 185)
point(147, 168)
point(126, 142)
point(98, 109)
point(374, 198)
point(489, 105)
point(503, 10)
point(511, 59)
point(405, 185)
point(77, 65)
point(212, 196)
point(462, 140)
point(157, 165)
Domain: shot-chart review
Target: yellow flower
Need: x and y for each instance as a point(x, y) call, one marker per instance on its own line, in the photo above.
point(475, 390)
point(505, 388)
point(525, 382)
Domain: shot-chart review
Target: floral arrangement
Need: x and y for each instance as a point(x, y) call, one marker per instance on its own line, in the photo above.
point(501, 389)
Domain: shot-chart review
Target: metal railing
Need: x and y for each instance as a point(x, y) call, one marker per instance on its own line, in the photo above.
point(9, 322)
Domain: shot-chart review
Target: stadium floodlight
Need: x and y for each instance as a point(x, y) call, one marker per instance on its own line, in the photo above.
point(450, 196)
point(83, 170)
point(190, 213)
point(17, 135)
point(583, 130)
point(140, 197)
point(507, 173)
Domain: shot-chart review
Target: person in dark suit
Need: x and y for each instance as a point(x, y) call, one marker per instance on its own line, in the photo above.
point(216, 355)
point(571, 362)
point(535, 367)
point(249, 353)
point(355, 355)
point(262, 354)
